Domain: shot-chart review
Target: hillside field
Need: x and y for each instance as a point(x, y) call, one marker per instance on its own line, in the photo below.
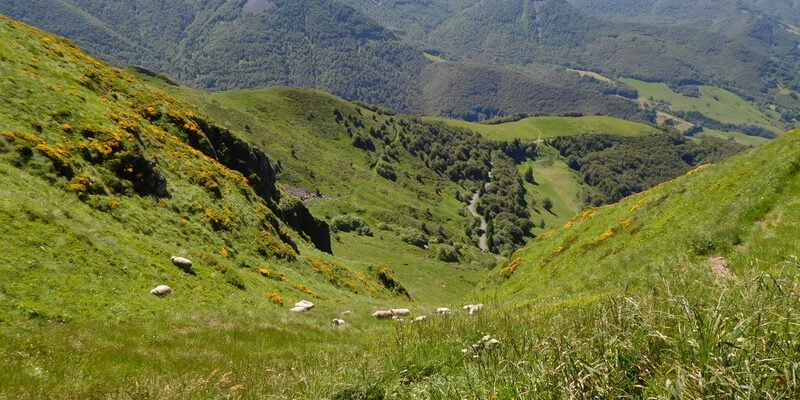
point(689, 289)
point(544, 127)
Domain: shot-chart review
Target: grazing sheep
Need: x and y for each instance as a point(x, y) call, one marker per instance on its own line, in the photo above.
point(419, 319)
point(305, 304)
point(161, 290)
point(443, 310)
point(182, 263)
point(297, 309)
point(473, 308)
point(383, 314)
point(400, 312)
point(338, 321)
point(346, 312)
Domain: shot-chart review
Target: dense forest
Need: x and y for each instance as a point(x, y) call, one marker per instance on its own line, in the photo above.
point(617, 166)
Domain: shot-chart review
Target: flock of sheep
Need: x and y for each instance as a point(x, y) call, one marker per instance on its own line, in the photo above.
point(305, 305)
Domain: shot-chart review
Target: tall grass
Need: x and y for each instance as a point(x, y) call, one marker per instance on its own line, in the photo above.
point(688, 338)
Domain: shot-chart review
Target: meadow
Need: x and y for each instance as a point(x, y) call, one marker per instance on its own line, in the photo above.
point(545, 127)
point(713, 102)
point(686, 290)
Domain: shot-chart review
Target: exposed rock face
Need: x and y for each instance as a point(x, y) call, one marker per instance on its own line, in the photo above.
point(254, 164)
point(295, 214)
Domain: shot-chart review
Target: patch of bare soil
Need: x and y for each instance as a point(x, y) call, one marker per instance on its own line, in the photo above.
point(720, 268)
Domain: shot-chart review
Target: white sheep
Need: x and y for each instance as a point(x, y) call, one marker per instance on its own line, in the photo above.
point(182, 263)
point(305, 304)
point(443, 310)
point(400, 312)
point(383, 314)
point(161, 290)
point(473, 308)
point(419, 319)
point(296, 309)
point(338, 321)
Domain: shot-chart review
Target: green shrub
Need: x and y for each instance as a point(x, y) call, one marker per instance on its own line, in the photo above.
point(414, 237)
point(351, 223)
point(385, 170)
point(447, 254)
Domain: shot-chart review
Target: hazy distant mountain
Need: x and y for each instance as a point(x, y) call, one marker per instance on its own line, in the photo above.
point(229, 43)
point(682, 11)
point(374, 50)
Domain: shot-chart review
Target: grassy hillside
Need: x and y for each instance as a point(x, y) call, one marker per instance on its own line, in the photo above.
point(104, 176)
point(687, 290)
point(545, 127)
point(315, 137)
point(713, 103)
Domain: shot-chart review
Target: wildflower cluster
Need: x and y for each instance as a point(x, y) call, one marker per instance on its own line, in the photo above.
point(486, 342)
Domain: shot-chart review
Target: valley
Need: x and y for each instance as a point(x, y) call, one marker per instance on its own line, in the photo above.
point(628, 228)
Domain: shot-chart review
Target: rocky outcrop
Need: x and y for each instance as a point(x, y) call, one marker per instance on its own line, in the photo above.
point(236, 154)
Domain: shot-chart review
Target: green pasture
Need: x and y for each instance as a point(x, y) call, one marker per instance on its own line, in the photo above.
point(543, 127)
point(714, 102)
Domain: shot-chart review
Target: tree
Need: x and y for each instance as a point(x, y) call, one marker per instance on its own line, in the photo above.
point(547, 204)
point(528, 176)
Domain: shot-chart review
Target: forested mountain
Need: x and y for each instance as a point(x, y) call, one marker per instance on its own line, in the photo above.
point(466, 59)
point(221, 44)
point(524, 32)
point(683, 12)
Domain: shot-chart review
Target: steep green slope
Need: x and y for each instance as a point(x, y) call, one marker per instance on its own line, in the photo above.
point(118, 176)
point(688, 290)
point(102, 179)
point(396, 173)
point(741, 209)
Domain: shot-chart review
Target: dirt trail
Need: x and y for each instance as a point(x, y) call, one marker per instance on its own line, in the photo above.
point(720, 268)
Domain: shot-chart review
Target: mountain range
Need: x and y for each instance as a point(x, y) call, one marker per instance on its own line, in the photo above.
point(471, 60)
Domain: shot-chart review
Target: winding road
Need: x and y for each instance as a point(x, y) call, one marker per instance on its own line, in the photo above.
point(482, 242)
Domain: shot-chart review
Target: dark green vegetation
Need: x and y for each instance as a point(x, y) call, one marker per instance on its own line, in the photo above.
point(217, 44)
point(617, 166)
point(714, 14)
point(687, 290)
point(523, 32)
point(472, 60)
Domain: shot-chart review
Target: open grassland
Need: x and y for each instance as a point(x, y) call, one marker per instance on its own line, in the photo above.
point(534, 128)
point(739, 137)
point(688, 290)
point(714, 102)
point(555, 181)
point(729, 210)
